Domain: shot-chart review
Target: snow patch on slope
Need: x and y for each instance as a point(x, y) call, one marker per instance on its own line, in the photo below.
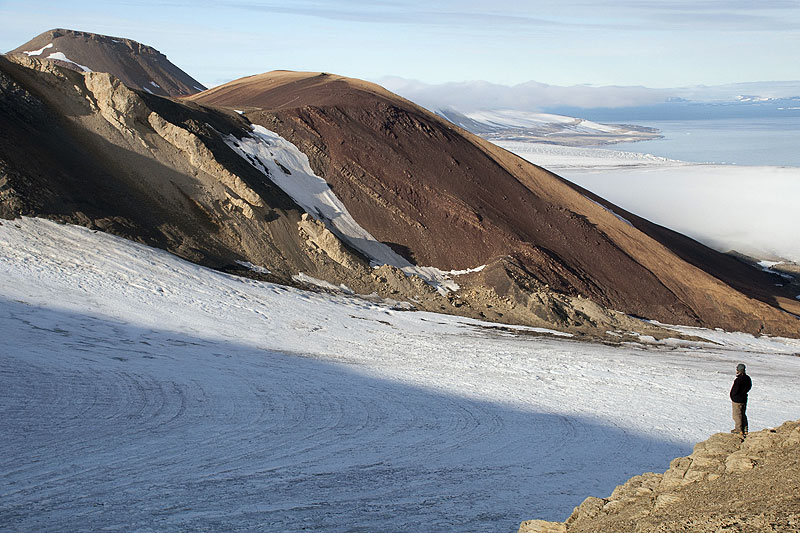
point(61, 57)
point(40, 51)
point(253, 268)
point(289, 168)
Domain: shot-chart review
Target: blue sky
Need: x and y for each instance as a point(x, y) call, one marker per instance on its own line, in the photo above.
point(669, 43)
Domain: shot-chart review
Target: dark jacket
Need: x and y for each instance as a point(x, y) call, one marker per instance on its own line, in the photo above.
point(741, 386)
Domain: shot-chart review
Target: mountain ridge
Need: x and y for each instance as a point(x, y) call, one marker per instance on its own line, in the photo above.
point(135, 64)
point(555, 254)
point(384, 166)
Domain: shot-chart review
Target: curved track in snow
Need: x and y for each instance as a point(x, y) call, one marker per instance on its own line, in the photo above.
point(107, 425)
point(141, 393)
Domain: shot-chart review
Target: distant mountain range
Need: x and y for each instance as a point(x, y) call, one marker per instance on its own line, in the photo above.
point(609, 103)
point(512, 125)
point(284, 173)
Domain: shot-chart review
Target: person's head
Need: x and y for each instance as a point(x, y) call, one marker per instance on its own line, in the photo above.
point(740, 368)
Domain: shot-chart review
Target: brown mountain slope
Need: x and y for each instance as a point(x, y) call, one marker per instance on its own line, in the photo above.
point(136, 65)
point(83, 148)
point(446, 198)
point(726, 484)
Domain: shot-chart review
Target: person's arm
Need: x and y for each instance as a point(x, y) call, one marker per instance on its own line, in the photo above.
point(737, 386)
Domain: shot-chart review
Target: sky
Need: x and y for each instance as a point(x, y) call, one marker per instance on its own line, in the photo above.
point(669, 43)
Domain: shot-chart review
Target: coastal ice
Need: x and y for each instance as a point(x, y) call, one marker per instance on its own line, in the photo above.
point(141, 392)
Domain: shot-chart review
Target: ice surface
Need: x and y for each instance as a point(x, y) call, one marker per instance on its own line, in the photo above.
point(142, 392)
point(60, 56)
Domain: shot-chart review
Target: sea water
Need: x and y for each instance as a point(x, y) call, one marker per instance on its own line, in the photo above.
point(773, 141)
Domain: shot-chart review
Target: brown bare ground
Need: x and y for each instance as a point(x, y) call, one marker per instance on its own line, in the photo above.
point(749, 485)
point(446, 198)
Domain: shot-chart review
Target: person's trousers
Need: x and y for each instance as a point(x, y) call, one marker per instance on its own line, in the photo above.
point(740, 417)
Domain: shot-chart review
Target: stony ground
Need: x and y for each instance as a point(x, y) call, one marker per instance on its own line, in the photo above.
point(727, 484)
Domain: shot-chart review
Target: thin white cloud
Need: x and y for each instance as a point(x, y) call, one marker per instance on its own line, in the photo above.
point(469, 96)
point(531, 96)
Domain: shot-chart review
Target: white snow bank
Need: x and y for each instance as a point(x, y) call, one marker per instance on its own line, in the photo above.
point(40, 51)
point(61, 57)
point(463, 272)
point(287, 167)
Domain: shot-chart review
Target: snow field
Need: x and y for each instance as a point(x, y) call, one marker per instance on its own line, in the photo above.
point(139, 391)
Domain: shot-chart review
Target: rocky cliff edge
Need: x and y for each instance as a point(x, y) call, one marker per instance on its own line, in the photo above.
point(726, 484)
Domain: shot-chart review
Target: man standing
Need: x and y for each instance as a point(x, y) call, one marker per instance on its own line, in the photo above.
point(741, 386)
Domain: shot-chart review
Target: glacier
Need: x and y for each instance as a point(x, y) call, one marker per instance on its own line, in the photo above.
point(142, 392)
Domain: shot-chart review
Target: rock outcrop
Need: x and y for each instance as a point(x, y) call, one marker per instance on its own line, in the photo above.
point(726, 484)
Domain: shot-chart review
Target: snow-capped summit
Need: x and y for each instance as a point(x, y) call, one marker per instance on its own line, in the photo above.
point(136, 65)
point(515, 125)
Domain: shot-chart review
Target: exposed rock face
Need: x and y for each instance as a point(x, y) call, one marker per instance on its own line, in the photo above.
point(136, 65)
point(445, 198)
point(726, 484)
